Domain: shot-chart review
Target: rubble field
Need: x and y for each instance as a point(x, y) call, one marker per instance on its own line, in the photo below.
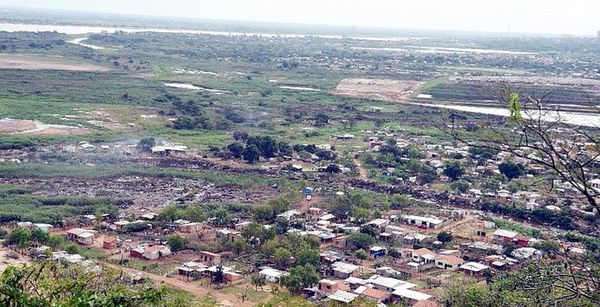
point(150, 193)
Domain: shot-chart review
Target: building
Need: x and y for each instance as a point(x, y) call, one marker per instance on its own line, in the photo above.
point(138, 251)
point(388, 283)
point(43, 227)
point(448, 262)
point(412, 296)
point(377, 251)
point(191, 270)
point(378, 224)
point(423, 256)
point(227, 234)
point(372, 294)
point(81, 236)
point(109, 243)
point(327, 286)
point(168, 150)
point(474, 268)
point(289, 215)
point(191, 227)
point(343, 270)
point(343, 297)
point(211, 258)
point(505, 236)
point(272, 275)
point(156, 251)
point(422, 221)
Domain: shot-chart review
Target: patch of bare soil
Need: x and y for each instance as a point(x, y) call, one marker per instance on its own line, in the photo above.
point(10, 258)
point(46, 63)
point(384, 89)
point(22, 126)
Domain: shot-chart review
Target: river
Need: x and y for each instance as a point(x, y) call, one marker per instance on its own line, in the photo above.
point(81, 30)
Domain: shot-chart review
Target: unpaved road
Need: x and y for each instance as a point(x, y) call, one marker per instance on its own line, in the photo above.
point(223, 298)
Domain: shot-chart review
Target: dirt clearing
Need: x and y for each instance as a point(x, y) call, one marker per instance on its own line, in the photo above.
point(384, 89)
point(39, 62)
point(22, 126)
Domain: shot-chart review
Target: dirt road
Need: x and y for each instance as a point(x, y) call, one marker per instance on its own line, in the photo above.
point(223, 298)
point(361, 170)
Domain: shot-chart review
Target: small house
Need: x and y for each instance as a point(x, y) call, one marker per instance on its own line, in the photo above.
point(343, 270)
point(156, 251)
point(81, 236)
point(272, 275)
point(377, 251)
point(211, 258)
point(448, 262)
point(109, 243)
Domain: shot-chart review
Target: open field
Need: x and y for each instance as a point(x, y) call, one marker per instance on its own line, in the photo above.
point(8, 125)
point(377, 88)
point(40, 62)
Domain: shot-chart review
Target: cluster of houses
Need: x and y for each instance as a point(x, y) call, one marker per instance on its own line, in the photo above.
point(437, 156)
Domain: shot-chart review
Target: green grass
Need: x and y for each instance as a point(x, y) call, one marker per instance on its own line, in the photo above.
point(153, 268)
point(490, 70)
point(530, 232)
point(251, 294)
point(425, 88)
point(27, 207)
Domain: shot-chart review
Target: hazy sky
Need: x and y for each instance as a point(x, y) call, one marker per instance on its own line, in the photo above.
point(530, 16)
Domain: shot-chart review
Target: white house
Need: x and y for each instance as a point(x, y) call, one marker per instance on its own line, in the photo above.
point(272, 275)
point(343, 270)
point(429, 222)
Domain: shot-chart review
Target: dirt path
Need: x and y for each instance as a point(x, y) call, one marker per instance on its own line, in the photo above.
point(449, 227)
point(361, 170)
point(223, 298)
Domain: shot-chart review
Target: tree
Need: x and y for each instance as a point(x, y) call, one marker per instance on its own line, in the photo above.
point(333, 169)
point(221, 216)
point(511, 170)
point(146, 144)
point(453, 170)
point(251, 154)
point(361, 214)
point(321, 119)
point(301, 277)
point(444, 237)
point(218, 276)
point(19, 236)
point(480, 153)
point(176, 243)
point(56, 284)
point(307, 255)
point(236, 149)
point(460, 186)
point(263, 212)
point(360, 240)
point(55, 241)
point(238, 246)
point(361, 254)
point(72, 248)
point(194, 213)
point(184, 123)
point(282, 257)
point(39, 236)
point(258, 281)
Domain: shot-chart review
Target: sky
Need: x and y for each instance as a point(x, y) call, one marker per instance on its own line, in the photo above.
point(580, 17)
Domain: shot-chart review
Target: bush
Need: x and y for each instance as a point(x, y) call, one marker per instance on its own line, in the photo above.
point(361, 254)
